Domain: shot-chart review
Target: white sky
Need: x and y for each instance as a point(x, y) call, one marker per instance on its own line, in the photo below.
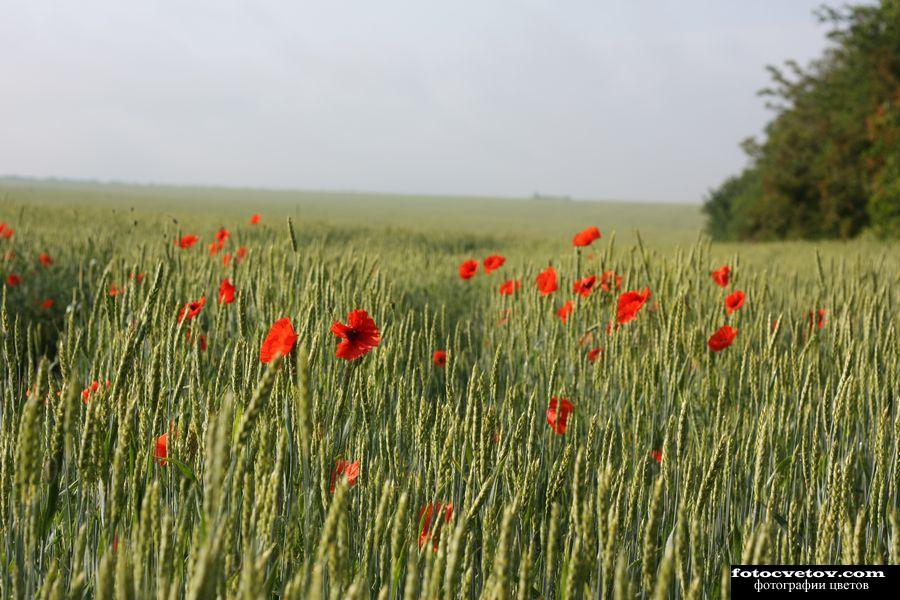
point(611, 99)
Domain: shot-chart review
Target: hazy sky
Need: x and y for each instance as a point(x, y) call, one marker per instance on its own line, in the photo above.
point(612, 99)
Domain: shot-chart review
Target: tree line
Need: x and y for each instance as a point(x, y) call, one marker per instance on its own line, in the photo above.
point(829, 163)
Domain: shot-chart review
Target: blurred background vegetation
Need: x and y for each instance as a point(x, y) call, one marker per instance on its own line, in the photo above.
point(829, 166)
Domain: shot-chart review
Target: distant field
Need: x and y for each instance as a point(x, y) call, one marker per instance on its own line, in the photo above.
point(574, 440)
point(501, 217)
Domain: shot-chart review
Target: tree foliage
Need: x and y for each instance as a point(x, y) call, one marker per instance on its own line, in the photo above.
point(829, 166)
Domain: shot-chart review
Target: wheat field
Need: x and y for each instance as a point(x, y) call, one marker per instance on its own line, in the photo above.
point(146, 450)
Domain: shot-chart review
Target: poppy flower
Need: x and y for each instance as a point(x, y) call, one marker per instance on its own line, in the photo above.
point(191, 309)
point(433, 512)
point(820, 322)
point(606, 280)
point(187, 241)
point(46, 303)
point(493, 262)
point(508, 288)
point(279, 341)
point(222, 236)
point(585, 286)
point(161, 451)
point(115, 290)
point(344, 468)
point(566, 310)
point(359, 336)
point(586, 237)
point(630, 304)
point(468, 269)
point(594, 354)
point(226, 292)
point(86, 392)
point(137, 278)
point(214, 248)
point(656, 455)
point(13, 280)
point(440, 358)
point(734, 301)
point(254, 220)
point(722, 338)
point(241, 253)
point(201, 339)
point(45, 259)
point(2, 227)
point(226, 259)
point(558, 414)
point(89, 390)
point(546, 281)
point(7, 233)
point(721, 276)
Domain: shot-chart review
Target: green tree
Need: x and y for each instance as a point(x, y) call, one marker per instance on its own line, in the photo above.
point(827, 166)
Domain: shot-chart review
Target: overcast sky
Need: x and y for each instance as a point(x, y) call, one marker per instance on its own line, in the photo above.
point(605, 99)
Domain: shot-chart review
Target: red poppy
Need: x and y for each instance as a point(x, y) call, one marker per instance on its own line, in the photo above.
point(656, 455)
point(201, 339)
point(7, 232)
point(13, 280)
point(115, 290)
point(468, 269)
point(254, 219)
point(191, 309)
point(45, 259)
point(222, 236)
point(86, 393)
point(425, 517)
point(214, 248)
point(584, 286)
point(607, 278)
point(586, 237)
point(226, 259)
point(594, 354)
point(93, 387)
point(2, 227)
point(139, 278)
point(734, 301)
point(493, 262)
point(241, 253)
point(440, 358)
point(226, 292)
point(344, 468)
point(558, 414)
point(359, 336)
point(566, 310)
point(722, 338)
point(721, 276)
point(187, 241)
point(279, 341)
point(161, 452)
point(820, 322)
point(630, 304)
point(46, 303)
point(510, 287)
point(546, 281)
